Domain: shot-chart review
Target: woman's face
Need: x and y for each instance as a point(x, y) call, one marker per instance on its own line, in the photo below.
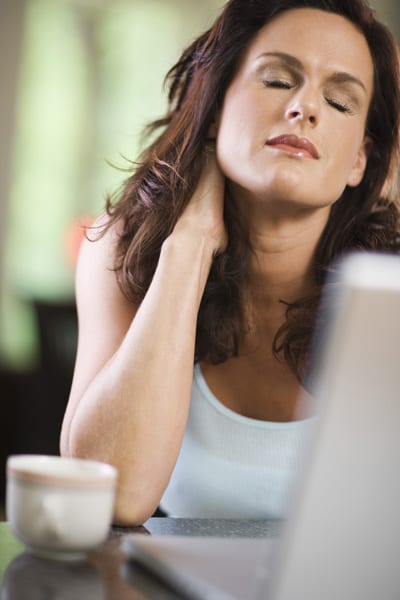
point(292, 125)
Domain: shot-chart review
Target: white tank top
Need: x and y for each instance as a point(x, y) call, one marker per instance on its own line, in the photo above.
point(231, 466)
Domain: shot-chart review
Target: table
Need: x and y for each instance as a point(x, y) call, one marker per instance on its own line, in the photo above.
point(106, 574)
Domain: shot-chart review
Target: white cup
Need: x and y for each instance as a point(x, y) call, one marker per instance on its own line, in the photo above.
point(59, 507)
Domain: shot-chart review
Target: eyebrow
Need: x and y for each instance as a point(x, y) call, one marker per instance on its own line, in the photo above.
point(292, 61)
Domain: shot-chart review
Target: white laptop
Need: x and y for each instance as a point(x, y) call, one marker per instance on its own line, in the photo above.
point(342, 538)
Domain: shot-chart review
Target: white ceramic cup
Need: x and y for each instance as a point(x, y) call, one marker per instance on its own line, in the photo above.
point(59, 507)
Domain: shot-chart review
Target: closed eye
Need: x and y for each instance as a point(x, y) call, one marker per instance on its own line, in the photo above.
point(278, 83)
point(340, 106)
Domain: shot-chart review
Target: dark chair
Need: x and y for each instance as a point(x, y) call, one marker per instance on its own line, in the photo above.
point(34, 401)
point(57, 336)
point(43, 393)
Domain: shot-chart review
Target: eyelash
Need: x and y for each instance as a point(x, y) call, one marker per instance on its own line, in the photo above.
point(286, 85)
point(278, 83)
point(340, 106)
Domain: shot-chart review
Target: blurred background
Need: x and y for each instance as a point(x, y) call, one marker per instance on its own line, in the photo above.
point(79, 80)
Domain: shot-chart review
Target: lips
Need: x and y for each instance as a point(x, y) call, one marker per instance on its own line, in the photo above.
point(295, 145)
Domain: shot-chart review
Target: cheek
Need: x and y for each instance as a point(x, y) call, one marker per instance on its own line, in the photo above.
point(240, 116)
point(339, 175)
point(347, 146)
point(233, 126)
point(232, 143)
point(239, 136)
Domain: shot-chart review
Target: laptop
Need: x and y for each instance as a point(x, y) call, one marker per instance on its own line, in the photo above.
point(341, 540)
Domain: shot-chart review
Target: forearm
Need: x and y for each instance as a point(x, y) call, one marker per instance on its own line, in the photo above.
point(133, 414)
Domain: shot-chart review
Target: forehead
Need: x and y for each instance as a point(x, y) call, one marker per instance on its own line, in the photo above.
point(317, 38)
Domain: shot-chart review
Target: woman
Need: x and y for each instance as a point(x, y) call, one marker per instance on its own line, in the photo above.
point(278, 153)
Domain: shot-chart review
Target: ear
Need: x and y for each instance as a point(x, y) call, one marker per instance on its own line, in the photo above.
point(360, 163)
point(214, 126)
point(212, 131)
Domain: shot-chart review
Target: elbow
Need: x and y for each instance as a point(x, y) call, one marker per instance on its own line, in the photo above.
point(67, 442)
point(69, 449)
point(64, 450)
point(64, 443)
point(131, 516)
point(77, 443)
point(137, 495)
point(133, 509)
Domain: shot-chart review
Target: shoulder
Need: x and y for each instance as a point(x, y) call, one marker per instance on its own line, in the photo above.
point(99, 246)
point(96, 277)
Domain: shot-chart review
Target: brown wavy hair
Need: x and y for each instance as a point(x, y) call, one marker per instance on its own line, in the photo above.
point(153, 197)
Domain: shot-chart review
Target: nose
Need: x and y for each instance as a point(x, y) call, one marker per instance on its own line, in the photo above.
point(303, 107)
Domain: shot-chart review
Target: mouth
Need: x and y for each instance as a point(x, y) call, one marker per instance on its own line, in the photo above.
point(299, 146)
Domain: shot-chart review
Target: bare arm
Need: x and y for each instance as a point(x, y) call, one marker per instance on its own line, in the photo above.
point(131, 390)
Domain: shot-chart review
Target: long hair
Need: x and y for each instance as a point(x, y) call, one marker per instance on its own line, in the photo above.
point(155, 195)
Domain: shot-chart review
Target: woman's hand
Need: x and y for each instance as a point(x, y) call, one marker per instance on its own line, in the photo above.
point(204, 213)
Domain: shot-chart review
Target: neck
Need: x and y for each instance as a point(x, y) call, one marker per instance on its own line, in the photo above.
point(284, 249)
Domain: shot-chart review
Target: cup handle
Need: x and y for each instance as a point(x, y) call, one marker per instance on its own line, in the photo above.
point(53, 513)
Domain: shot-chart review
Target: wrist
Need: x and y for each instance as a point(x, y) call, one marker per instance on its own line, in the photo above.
point(189, 242)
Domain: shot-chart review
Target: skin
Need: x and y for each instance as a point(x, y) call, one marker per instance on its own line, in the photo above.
point(296, 77)
point(131, 390)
